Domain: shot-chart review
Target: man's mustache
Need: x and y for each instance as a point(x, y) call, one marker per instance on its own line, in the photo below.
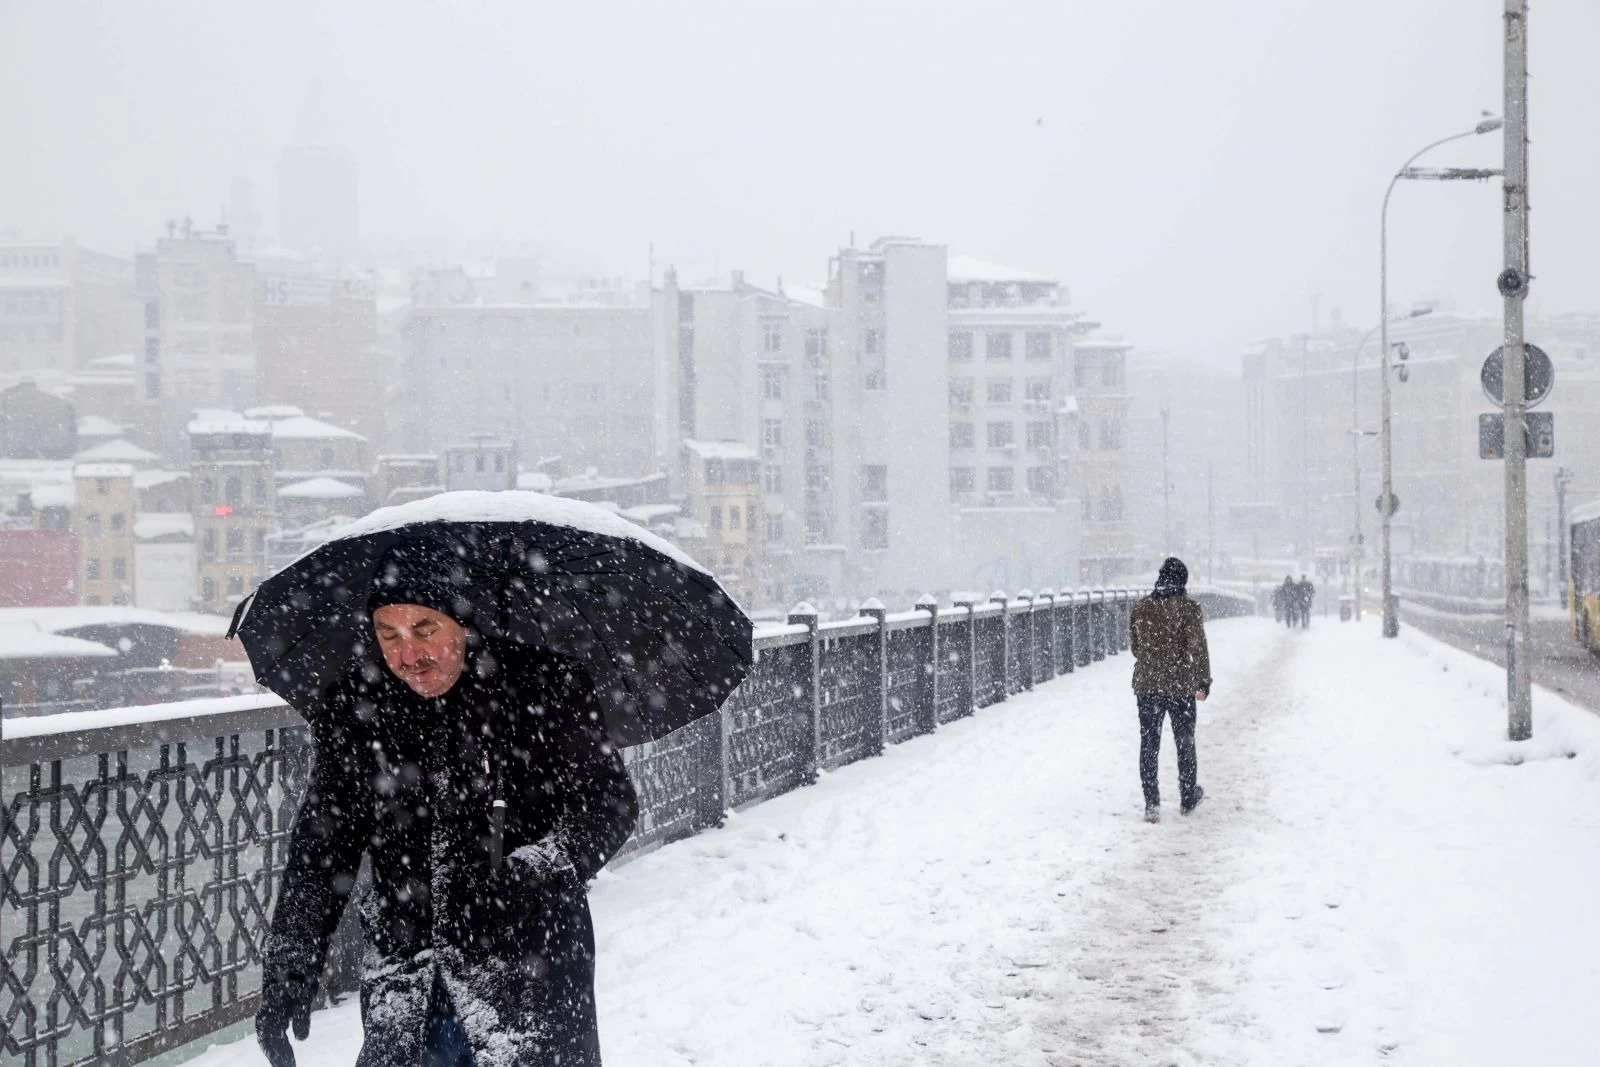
point(419, 666)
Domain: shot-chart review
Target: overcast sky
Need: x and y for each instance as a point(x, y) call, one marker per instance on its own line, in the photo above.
point(1197, 173)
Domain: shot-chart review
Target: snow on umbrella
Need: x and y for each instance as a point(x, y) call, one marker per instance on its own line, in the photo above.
point(663, 641)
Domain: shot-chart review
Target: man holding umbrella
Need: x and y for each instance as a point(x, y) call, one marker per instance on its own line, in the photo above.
point(466, 745)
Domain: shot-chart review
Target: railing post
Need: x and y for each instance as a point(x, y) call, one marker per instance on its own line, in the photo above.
point(1124, 620)
point(878, 736)
point(1097, 625)
point(972, 653)
point(928, 693)
point(999, 597)
point(716, 813)
point(1032, 642)
point(803, 614)
point(1070, 660)
point(1050, 635)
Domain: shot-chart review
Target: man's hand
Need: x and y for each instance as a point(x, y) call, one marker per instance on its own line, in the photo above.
point(1201, 694)
point(513, 891)
point(286, 996)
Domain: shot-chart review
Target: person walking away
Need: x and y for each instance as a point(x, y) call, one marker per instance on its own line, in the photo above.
point(1171, 673)
point(1307, 593)
point(480, 783)
point(1277, 604)
point(1291, 601)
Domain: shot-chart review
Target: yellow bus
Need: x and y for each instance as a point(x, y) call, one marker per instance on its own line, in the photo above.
point(1584, 555)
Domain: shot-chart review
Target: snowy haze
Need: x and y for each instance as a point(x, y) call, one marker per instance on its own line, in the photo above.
point(1197, 173)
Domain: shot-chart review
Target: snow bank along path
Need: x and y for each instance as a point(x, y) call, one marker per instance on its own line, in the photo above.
point(1366, 882)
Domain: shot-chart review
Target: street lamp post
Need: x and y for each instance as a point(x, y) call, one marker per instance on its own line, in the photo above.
point(1357, 539)
point(1391, 619)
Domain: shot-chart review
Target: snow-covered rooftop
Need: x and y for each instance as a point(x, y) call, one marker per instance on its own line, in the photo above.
point(98, 426)
point(155, 525)
point(120, 450)
point(21, 641)
point(320, 489)
point(103, 470)
point(274, 411)
point(302, 427)
point(120, 361)
point(648, 513)
point(233, 424)
point(149, 479)
point(57, 620)
point(49, 495)
point(970, 269)
point(721, 449)
point(535, 481)
point(809, 295)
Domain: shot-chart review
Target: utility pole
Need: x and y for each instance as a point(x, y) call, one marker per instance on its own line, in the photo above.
point(1513, 285)
point(1305, 456)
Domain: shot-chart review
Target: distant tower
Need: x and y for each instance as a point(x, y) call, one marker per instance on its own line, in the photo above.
point(318, 208)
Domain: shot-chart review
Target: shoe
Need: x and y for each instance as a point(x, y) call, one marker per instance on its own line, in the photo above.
point(1194, 801)
point(1152, 813)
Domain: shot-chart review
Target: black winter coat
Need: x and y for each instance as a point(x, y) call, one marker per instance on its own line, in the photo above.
point(405, 781)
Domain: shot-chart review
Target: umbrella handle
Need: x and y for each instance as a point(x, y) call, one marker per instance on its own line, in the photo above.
point(497, 830)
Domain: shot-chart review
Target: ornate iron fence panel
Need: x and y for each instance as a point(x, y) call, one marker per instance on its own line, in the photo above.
point(137, 886)
point(1044, 645)
point(679, 781)
point(850, 698)
point(910, 683)
point(766, 722)
point(954, 667)
point(991, 660)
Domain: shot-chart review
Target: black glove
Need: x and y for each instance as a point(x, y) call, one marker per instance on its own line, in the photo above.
point(522, 883)
point(286, 996)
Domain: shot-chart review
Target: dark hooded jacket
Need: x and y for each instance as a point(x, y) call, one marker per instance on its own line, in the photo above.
point(409, 783)
point(1167, 635)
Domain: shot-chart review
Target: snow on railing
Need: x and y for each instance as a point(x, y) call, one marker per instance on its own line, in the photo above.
point(143, 845)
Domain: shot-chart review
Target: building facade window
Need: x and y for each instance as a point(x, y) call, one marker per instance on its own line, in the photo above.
point(774, 525)
point(772, 478)
point(1041, 481)
point(91, 569)
point(998, 390)
point(1110, 375)
point(92, 526)
point(1001, 479)
point(327, 459)
point(816, 344)
point(875, 528)
point(771, 383)
point(1040, 436)
point(261, 543)
point(208, 545)
point(997, 346)
point(772, 335)
point(715, 515)
point(960, 390)
point(1000, 434)
point(1039, 345)
point(876, 380)
point(875, 483)
point(233, 493)
point(1083, 435)
point(119, 568)
point(869, 342)
point(962, 479)
point(960, 345)
point(119, 524)
point(208, 589)
point(1111, 433)
point(772, 433)
point(961, 435)
point(1037, 389)
point(814, 433)
point(235, 585)
point(235, 543)
point(734, 514)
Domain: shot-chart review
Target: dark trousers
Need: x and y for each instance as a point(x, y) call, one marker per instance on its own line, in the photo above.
point(1153, 708)
point(447, 1042)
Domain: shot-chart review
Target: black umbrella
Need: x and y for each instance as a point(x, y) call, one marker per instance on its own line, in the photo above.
point(659, 637)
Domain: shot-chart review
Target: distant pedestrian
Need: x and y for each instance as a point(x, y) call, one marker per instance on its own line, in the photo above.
point(1277, 603)
point(1289, 593)
point(1305, 594)
point(1171, 672)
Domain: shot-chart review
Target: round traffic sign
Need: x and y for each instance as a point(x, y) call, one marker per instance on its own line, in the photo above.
point(1538, 375)
point(1394, 503)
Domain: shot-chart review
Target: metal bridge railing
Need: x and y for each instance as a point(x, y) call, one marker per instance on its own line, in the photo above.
point(140, 848)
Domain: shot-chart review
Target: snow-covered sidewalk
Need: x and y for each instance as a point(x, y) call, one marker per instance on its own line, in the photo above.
point(1367, 881)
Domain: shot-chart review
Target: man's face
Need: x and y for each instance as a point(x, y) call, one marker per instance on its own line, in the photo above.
point(424, 648)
